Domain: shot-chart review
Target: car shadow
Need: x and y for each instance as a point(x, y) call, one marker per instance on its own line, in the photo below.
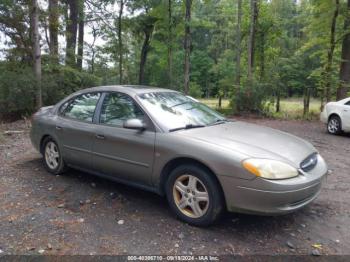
point(81, 185)
point(342, 134)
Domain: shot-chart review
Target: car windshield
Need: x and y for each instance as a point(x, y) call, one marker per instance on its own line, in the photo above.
point(177, 111)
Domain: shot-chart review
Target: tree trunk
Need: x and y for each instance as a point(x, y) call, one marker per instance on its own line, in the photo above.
point(251, 41)
point(34, 22)
point(278, 104)
point(306, 101)
point(262, 57)
point(328, 69)
point(144, 51)
point(53, 29)
point(238, 44)
point(120, 41)
point(345, 56)
point(93, 50)
point(187, 45)
point(71, 32)
point(81, 35)
point(170, 44)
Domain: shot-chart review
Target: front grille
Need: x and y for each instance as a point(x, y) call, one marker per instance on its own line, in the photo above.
point(309, 163)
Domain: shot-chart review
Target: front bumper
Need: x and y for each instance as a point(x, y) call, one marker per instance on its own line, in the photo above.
point(273, 197)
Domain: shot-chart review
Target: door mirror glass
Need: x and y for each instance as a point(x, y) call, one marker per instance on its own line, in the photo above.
point(134, 123)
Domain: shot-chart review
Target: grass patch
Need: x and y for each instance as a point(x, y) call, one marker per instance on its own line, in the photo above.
point(214, 102)
point(290, 108)
point(225, 109)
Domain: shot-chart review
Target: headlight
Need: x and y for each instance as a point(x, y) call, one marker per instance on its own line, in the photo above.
point(269, 169)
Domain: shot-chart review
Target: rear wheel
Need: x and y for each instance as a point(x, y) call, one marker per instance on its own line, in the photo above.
point(334, 125)
point(53, 160)
point(194, 195)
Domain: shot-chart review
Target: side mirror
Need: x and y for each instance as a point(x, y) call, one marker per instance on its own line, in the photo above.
point(135, 124)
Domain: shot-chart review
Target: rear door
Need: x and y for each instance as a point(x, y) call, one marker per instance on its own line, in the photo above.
point(122, 153)
point(75, 129)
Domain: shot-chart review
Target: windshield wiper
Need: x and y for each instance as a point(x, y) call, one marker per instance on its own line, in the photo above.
point(189, 126)
point(219, 121)
point(182, 103)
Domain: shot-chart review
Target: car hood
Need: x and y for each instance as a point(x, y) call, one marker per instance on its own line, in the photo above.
point(254, 141)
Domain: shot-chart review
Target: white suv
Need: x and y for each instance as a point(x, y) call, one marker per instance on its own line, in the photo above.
point(337, 116)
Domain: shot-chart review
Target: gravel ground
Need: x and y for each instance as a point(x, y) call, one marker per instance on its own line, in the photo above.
point(80, 214)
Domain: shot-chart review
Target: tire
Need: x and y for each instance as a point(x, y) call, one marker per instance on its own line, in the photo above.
point(334, 125)
point(184, 198)
point(52, 157)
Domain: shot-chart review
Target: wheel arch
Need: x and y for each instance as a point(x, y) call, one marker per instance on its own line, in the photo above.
point(173, 163)
point(333, 114)
point(42, 142)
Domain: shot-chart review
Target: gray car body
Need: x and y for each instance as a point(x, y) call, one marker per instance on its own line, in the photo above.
point(145, 158)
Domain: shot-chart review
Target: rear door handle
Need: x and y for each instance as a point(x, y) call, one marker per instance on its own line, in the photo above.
point(100, 136)
point(58, 127)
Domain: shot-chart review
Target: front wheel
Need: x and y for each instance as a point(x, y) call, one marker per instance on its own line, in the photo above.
point(194, 195)
point(334, 125)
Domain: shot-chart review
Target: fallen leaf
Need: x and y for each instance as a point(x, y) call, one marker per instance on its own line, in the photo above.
point(319, 246)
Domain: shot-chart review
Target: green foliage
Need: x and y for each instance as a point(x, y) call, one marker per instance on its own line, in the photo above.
point(18, 87)
point(59, 81)
point(251, 98)
point(195, 90)
point(17, 92)
point(291, 50)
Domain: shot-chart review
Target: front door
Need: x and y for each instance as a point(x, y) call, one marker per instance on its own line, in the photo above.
point(346, 116)
point(122, 153)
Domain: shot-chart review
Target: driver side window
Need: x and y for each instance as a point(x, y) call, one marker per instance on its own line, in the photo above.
point(117, 108)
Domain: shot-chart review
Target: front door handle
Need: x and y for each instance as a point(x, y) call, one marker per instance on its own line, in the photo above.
point(100, 136)
point(345, 110)
point(58, 127)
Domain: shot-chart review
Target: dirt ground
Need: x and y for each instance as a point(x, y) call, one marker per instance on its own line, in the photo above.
point(77, 213)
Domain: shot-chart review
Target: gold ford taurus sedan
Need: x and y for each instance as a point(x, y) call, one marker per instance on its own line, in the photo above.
point(168, 143)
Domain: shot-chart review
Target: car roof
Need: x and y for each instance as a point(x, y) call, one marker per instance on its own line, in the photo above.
point(128, 89)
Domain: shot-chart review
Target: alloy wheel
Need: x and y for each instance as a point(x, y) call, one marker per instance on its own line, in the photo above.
point(191, 196)
point(333, 125)
point(52, 155)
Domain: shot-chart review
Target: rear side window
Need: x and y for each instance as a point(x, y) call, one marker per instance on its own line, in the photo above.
point(81, 107)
